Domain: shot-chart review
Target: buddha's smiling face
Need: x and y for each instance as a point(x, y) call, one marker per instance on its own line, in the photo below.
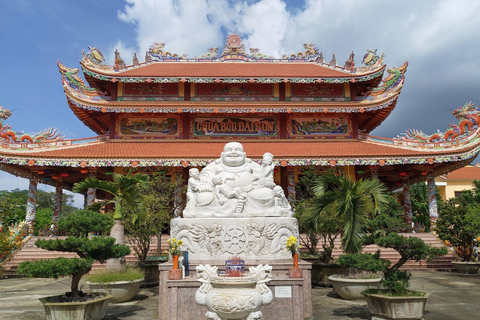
point(233, 154)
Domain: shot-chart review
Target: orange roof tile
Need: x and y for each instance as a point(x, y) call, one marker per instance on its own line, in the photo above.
point(184, 149)
point(465, 173)
point(231, 70)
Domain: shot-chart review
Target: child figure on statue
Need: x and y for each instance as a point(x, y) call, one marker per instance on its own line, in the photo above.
point(265, 179)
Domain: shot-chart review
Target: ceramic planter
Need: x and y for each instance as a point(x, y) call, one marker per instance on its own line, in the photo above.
point(387, 308)
point(466, 267)
point(94, 309)
point(120, 290)
point(351, 289)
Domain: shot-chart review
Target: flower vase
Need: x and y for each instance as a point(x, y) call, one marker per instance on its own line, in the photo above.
point(295, 272)
point(175, 261)
point(295, 260)
point(175, 273)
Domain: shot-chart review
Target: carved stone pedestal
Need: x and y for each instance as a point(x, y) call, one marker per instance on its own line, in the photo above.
point(210, 239)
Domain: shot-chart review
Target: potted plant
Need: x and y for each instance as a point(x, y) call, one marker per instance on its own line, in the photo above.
point(459, 225)
point(123, 284)
point(75, 303)
point(394, 300)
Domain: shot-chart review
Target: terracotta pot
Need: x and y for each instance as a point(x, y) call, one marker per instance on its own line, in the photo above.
point(175, 262)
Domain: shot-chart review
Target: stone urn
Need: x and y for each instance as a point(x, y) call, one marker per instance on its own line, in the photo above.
point(121, 291)
point(234, 297)
point(389, 308)
point(466, 267)
point(94, 309)
point(351, 289)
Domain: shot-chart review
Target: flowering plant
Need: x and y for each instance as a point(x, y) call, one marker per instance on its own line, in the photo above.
point(174, 246)
point(292, 245)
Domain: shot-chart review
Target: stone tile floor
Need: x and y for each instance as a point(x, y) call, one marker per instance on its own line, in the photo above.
point(453, 297)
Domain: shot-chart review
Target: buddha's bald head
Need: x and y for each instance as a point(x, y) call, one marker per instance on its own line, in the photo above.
point(233, 154)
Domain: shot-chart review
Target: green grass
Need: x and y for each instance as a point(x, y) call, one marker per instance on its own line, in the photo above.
point(128, 274)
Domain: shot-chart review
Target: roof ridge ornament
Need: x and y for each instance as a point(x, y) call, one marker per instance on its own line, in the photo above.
point(8, 135)
point(71, 78)
point(95, 56)
point(311, 53)
point(468, 122)
point(156, 52)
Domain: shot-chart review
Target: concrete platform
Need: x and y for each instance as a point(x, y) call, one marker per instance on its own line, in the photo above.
point(453, 297)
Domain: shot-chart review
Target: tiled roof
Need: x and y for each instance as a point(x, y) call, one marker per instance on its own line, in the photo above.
point(465, 173)
point(231, 70)
point(200, 149)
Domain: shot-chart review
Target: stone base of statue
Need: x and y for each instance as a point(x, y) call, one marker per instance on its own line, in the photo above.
point(214, 240)
point(292, 297)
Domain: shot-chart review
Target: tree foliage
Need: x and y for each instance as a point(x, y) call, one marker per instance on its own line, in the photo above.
point(327, 230)
point(13, 206)
point(352, 203)
point(125, 190)
point(159, 207)
point(88, 249)
point(459, 221)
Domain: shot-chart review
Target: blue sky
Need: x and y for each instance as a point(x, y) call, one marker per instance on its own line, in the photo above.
point(440, 39)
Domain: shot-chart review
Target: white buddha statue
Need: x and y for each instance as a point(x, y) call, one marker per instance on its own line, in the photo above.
point(234, 186)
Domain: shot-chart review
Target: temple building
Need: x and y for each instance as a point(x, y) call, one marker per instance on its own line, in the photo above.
point(171, 113)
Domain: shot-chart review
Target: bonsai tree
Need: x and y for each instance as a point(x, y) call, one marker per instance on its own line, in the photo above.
point(459, 222)
point(126, 197)
point(382, 230)
point(159, 208)
point(351, 202)
point(78, 225)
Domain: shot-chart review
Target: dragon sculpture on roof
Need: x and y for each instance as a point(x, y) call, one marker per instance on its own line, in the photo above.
point(156, 52)
point(395, 76)
point(70, 76)
point(8, 135)
point(468, 117)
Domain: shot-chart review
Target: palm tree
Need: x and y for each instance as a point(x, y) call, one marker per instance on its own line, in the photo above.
point(351, 201)
point(126, 196)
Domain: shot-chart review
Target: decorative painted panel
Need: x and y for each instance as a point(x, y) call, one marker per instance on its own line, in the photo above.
point(318, 127)
point(150, 89)
point(234, 91)
point(160, 127)
point(259, 127)
point(316, 90)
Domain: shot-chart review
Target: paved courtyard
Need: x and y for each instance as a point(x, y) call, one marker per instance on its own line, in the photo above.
point(453, 297)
